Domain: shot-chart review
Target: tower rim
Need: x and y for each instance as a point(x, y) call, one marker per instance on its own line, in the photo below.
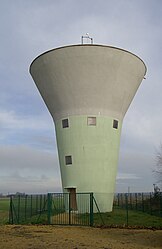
point(88, 45)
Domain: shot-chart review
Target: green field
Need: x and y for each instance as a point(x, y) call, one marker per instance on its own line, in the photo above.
point(132, 218)
point(4, 210)
point(120, 217)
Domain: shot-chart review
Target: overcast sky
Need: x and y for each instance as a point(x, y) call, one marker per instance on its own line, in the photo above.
point(28, 152)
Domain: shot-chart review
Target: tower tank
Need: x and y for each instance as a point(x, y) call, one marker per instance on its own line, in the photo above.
point(87, 89)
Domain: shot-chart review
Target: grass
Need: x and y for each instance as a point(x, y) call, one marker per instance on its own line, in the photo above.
point(4, 210)
point(120, 217)
point(133, 218)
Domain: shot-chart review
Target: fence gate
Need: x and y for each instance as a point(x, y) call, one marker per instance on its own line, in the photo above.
point(70, 209)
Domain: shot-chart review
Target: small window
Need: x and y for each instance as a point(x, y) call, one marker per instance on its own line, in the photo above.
point(68, 160)
point(91, 121)
point(65, 123)
point(115, 124)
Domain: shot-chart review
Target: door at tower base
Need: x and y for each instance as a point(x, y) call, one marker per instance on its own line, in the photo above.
point(88, 89)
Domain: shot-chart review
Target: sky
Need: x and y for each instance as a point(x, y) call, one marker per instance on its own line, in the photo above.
point(28, 151)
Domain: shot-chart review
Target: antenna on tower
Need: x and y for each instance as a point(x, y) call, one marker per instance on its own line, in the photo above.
point(87, 37)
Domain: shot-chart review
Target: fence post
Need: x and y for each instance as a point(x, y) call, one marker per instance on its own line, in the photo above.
point(40, 202)
point(18, 215)
point(44, 204)
point(118, 199)
point(122, 200)
point(25, 206)
point(36, 203)
point(49, 207)
point(160, 196)
point(11, 211)
point(31, 208)
point(126, 200)
point(142, 203)
point(150, 204)
point(91, 209)
point(69, 208)
point(136, 200)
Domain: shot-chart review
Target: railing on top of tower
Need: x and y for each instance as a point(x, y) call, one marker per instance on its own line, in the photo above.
point(87, 37)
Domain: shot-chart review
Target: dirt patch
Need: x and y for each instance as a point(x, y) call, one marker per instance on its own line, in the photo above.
point(57, 237)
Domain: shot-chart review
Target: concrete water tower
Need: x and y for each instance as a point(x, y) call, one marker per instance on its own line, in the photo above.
point(88, 89)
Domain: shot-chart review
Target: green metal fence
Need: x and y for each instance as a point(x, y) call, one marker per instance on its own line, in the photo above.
point(142, 210)
point(27, 209)
point(53, 208)
point(134, 209)
point(150, 203)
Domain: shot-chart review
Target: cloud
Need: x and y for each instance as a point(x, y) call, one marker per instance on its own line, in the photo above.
point(123, 176)
point(30, 130)
point(11, 120)
point(29, 170)
point(20, 157)
point(27, 137)
point(142, 130)
point(40, 184)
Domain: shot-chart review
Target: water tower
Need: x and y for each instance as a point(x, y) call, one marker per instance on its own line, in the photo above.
point(88, 89)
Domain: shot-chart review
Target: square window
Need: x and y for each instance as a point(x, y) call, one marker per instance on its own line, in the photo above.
point(115, 124)
point(68, 160)
point(65, 123)
point(91, 121)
